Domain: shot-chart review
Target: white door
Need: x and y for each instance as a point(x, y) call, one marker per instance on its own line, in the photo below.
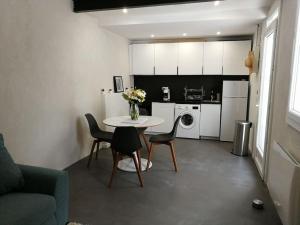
point(213, 58)
point(165, 111)
point(166, 58)
point(190, 58)
point(142, 59)
point(232, 109)
point(264, 97)
point(210, 120)
point(235, 54)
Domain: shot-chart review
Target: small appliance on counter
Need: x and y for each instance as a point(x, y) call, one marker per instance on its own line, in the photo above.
point(194, 94)
point(166, 94)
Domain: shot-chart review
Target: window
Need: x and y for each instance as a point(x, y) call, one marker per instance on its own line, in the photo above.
point(294, 104)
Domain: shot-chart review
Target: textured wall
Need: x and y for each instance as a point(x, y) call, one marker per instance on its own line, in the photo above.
point(53, 64)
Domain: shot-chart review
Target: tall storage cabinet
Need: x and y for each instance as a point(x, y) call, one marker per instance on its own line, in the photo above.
point(142, 59)
point(166, 58)
point(235, 53)
point(213, 58)
point(190, 58)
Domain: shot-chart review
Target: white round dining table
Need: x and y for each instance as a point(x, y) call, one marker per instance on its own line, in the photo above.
point(145, 122)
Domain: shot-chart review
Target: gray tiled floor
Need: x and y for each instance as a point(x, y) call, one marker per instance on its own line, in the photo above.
point(212, 187)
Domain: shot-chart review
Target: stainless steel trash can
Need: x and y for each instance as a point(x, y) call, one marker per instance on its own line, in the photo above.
point(241, 138)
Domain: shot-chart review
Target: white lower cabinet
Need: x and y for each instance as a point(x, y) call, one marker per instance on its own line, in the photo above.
point(210, 120)
point(166, 112)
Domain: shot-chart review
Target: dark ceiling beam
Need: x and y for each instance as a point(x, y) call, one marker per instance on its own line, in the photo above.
point(101, 5)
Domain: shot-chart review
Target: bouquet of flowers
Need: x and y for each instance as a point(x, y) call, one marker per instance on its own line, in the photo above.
point(134, 97)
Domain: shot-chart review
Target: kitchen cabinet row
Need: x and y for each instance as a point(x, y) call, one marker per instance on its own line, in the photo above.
point(209, 120)
point(190, 58)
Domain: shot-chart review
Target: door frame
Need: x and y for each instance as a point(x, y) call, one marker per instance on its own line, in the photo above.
point(263, 164)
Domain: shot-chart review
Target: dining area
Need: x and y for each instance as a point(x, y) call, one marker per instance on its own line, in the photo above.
point(125, 135)
point(126, 143)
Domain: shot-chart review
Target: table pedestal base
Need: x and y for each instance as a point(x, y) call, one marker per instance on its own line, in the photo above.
point(128, 165)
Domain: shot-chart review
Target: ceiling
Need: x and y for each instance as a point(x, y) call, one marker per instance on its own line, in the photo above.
point(230, 17)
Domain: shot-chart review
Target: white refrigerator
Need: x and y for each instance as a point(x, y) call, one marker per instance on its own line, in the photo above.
point(234, 107)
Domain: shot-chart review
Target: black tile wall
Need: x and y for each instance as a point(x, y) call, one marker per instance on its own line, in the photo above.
point(153, 84)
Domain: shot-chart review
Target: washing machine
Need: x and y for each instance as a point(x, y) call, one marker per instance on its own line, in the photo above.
point(189, 124)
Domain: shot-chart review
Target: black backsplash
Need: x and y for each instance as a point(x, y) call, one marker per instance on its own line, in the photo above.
point(153, 84)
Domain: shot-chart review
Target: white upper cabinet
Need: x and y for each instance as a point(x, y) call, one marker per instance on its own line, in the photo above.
point(190, 60)
point(142, 59)
point(166, 58)
point(213, 58)
point(235, 53)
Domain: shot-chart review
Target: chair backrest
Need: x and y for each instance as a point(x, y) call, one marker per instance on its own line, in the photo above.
point(174, 130)
point(93, 125)
point(126, 140)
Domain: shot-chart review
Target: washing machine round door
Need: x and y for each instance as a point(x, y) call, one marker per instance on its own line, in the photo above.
point(187, 120)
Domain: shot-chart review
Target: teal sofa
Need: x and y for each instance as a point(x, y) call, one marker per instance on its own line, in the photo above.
point(43, 198)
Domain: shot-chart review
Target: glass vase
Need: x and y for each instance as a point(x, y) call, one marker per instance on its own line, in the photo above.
point(134, 111)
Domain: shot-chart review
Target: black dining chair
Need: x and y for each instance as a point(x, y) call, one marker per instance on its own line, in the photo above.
point(98, 135)
point(141, 132)
point(164, 139)
point(126, 142)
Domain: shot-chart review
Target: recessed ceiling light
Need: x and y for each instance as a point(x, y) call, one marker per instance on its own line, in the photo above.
point(152, 35)
point(218, 33)
point(125, 10)
point(216, 3)
point(184, 34)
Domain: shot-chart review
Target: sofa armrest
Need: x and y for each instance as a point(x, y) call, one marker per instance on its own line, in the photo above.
point(50, 182)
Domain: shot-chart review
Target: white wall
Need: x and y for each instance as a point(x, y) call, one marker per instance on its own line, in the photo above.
point(254, 88)
point(281, 132)
point(53, 64)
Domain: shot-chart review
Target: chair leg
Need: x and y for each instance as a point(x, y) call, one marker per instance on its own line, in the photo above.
point(173, 155)
point(113, 155)
point(138, 170)
point(98, 145)
point(115, 166)
point(146, 142)
point(138, 153)
point(91, 154)
point(149, 156)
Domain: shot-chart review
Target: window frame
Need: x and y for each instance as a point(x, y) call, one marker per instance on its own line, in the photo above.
point(293, 117)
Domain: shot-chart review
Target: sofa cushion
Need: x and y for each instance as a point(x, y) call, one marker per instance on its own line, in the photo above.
point(26, 209)
point(11, 178)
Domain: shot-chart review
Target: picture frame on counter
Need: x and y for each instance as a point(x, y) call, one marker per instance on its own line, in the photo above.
point(118, 84)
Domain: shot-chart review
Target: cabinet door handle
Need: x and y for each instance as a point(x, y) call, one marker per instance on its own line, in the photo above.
point(202, 70)
point(222, 70)
point(153, 70)
point(177, 70)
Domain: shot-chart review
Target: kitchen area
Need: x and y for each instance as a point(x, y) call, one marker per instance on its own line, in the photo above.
point(205, 82)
